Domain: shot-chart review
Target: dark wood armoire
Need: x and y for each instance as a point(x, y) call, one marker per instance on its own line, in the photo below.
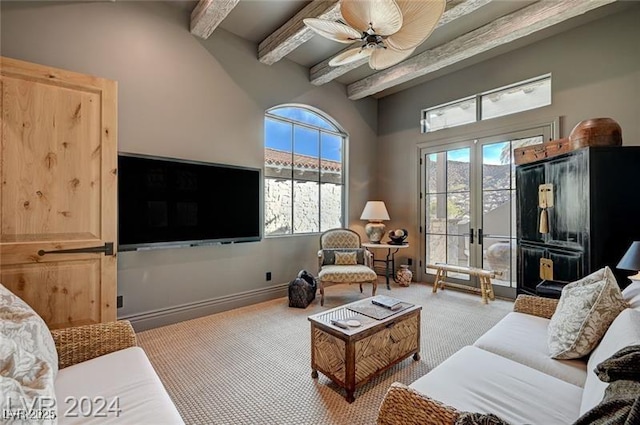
point(594, 217)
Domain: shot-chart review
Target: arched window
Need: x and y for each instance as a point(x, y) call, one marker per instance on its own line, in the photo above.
point(304, 171)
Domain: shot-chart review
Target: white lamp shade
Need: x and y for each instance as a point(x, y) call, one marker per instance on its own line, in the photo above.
point(375, 211)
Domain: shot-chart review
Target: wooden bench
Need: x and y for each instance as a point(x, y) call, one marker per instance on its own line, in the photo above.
point(484, 276)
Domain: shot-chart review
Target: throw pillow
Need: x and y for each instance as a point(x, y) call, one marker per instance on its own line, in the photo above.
point(329, 255)
point(585, 310)
point(346, 258)
point(28, 356)
point(26, 382)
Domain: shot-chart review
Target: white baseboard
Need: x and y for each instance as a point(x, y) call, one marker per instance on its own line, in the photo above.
point(179, 313)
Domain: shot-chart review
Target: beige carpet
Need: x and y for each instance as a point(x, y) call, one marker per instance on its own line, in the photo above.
point(252, 365)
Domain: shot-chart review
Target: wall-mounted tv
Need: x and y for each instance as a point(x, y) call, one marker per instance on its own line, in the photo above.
point(167, 202)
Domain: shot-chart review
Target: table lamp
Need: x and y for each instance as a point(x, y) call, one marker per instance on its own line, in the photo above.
point(631, 259)
point(375, 212)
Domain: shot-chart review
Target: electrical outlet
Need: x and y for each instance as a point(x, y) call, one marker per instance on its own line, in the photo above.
point(268, 276)
point(119, 301)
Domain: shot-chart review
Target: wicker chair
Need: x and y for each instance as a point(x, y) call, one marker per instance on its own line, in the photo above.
point(342, 259)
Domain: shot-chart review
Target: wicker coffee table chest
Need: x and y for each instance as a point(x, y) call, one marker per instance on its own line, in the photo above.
point(351, 357)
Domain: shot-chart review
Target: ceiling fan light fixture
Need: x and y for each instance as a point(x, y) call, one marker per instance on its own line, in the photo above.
point(420, 19)
point(384, 58)
point(351, 55)
point(390, 30)
point(384, 16)
point(335, 31)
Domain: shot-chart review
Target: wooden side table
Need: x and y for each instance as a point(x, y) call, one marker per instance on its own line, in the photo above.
point(390, 260)
point(352, 357)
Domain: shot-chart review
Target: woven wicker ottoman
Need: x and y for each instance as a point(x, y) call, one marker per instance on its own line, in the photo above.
point(351, 357)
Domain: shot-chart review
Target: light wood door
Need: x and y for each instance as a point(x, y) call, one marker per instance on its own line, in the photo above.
point(58, 170)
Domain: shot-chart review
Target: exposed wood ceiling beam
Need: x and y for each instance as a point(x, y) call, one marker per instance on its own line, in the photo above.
point(208, 14)
point(517, 25)
point(322, 73)
point(294, 32)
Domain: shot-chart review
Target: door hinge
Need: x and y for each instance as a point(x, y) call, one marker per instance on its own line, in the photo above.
point(420, 195)
point(420, 161)
point(420, 229)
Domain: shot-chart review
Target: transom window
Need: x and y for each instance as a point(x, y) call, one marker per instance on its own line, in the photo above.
point(518, 97)
point(304, 171)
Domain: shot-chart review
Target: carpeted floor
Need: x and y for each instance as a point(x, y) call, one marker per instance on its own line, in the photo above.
point(252, 365)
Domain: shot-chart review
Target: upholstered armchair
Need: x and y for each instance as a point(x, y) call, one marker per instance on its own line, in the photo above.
point(342, 259)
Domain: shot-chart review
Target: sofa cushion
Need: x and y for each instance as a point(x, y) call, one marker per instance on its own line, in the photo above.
point(523, 338)
point(631, 294)
point(347, 274)
point(585, 310)
point(125, 376)
point(475, 380)
point(624, 331)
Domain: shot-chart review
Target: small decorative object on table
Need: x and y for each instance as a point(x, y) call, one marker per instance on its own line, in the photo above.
point(404, 275)
point(398, 236)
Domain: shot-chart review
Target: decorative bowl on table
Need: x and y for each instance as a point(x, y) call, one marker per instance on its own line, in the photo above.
point(398, 236)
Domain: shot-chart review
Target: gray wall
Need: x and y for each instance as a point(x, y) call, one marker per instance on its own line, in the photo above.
point(180, 96)
point(595, 71)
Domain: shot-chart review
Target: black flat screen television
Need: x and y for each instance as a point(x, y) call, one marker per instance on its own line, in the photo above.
point(166, 202)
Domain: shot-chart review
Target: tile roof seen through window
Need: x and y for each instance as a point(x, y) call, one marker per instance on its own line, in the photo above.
point(278, 158)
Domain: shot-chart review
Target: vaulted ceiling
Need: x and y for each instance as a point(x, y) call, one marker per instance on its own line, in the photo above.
point(468, 32)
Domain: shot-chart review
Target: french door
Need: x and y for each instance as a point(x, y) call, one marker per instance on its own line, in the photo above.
point(468, 206)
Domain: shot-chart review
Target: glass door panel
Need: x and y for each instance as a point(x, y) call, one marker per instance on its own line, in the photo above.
point(498, 194)
point(448, 208)
point(469, 206)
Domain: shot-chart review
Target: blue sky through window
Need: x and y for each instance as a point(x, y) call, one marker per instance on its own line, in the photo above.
point(491, 154)
point(303, 115)
point(286, 137)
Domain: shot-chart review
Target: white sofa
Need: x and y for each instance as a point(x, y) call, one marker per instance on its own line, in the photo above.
point(508, 372)
point(102, 363)
point(92, 374)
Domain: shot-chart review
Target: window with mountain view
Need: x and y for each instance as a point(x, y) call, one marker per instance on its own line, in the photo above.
point(304, 172)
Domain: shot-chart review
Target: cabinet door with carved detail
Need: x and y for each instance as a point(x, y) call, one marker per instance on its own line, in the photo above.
point(58, 192)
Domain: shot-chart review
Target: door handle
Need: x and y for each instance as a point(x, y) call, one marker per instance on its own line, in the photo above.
point(480, 236)
point(470, 236)
point(107, 249)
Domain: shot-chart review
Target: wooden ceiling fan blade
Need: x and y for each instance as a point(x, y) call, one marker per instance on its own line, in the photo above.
point(384, 58)
point(384, 15)
point(419, 20)
point(351, 55)
point(333, 30)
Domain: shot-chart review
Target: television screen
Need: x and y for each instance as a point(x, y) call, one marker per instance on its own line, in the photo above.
point(163, 201)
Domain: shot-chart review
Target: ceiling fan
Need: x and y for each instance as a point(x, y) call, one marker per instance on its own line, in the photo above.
point(390, 30)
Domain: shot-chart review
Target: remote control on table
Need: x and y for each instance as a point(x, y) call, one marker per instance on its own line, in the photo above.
point(340, 324)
